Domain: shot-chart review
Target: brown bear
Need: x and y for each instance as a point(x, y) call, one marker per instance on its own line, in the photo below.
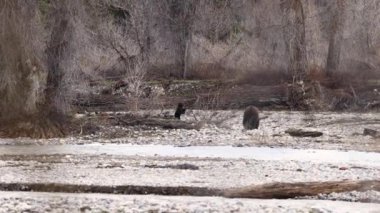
point(251, 118)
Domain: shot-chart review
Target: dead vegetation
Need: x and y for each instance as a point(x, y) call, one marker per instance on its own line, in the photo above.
point(292, 190)
point(168, 123)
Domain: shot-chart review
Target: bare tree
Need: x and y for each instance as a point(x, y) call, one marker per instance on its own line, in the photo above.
point(27, 74)
point(294, 32)
point(335, 38)
point(181, 14)
point(295, 38)
point(56, 48)
point(135, 78)
point(127, 35)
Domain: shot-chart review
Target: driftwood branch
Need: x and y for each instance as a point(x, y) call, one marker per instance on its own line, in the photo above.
point(266, 191)
point(292, 190)
point(303, 133)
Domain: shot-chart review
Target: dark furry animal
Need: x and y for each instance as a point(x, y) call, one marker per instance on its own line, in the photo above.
point(251, 118)
point(179, 111)
point(119, 84)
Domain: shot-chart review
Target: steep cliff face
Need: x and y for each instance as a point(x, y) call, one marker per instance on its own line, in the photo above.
point(220, 38)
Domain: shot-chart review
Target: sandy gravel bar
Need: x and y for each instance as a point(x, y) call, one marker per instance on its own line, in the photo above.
point(163, 171)
point(61, 202)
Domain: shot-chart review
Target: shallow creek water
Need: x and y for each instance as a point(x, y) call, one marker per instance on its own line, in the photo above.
point(226, 152)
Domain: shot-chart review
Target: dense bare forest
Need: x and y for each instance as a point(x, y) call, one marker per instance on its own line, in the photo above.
point(53, 51)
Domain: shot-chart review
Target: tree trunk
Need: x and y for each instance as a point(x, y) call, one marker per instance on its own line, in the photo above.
point(28, 87)
point(186, 58)
point(295, 39)
point(335, 39)
point(265, 191)
point(16, 61)
point(55, 50)
point(184, 16)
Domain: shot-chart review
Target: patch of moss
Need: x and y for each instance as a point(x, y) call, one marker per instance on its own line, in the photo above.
point(119, 15)
point(220, 3)
point(44, 6)
point(236, 30)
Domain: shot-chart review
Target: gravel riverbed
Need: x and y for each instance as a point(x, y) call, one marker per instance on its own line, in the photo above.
point(60, 202)
point(157, 171)
point(341, 132)
point(219, 173)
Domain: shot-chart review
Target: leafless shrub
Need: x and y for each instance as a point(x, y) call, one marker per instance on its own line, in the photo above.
point(124, 31)
point(297, 96)
point(135, 75)
point(209, 102)
point(339, 99)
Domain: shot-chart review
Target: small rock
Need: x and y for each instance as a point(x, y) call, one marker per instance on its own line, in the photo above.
point(109, 165)
point(316, 210)
point(85, 208)
point(371, 132)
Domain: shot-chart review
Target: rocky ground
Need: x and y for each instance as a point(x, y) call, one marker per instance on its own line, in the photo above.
point(169, 171)
point(59, 202)
point(341, 131)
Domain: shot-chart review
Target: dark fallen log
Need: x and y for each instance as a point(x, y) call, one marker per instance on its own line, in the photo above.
point(184, 166)
point(116, 189)
point(157, 122)
point(265, 191)
point(292, 190)
point(303, 133)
